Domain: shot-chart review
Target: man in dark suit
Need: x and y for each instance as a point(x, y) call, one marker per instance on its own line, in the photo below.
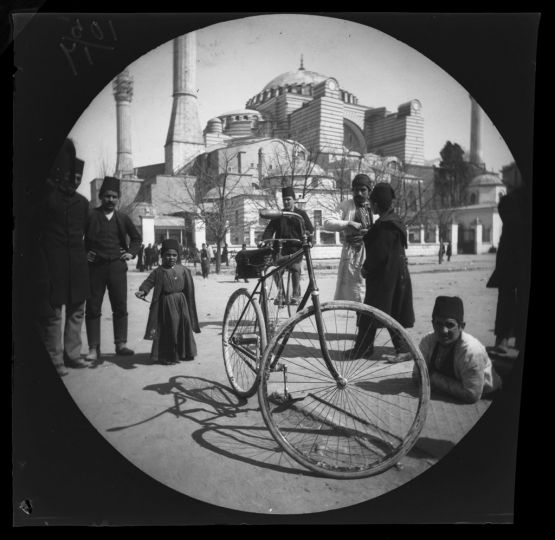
point(62, 273)
point(285, 227)
point(108, 252)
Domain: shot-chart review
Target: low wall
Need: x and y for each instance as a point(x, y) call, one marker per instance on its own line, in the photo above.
point(420, 250)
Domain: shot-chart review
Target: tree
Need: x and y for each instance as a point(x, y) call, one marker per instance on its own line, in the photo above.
point(452, 177)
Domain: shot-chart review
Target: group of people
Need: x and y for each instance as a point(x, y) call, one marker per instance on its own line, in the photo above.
point(148, 256)
point(83, 253)
point(445, 250)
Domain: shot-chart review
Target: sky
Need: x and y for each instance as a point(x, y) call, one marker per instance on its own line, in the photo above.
point(236, 59)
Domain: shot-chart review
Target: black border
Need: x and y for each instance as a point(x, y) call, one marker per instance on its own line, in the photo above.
point(66, 468)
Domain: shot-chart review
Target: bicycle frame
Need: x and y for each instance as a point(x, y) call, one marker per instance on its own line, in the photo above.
point(312, 291)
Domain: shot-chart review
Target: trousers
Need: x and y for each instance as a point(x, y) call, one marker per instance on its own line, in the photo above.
point(295, 271)
point(111, 275)
point(50, 329)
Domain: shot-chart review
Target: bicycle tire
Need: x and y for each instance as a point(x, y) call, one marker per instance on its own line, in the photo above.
point(353, 431)
point(243, 333)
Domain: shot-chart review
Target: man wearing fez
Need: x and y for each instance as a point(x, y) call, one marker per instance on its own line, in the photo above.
point(108, 252)
point(353, 217)
point(388, 284)
point(458, 363)
point(62, 271)
point(285, 227)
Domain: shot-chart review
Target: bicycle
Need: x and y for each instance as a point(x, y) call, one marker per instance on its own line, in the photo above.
point(337, 411)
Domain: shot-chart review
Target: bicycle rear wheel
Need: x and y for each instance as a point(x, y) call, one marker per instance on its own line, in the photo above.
point(364, 422)
point(243, 342)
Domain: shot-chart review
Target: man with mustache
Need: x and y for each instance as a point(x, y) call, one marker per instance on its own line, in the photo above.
point(354, 218)
point(107, 253)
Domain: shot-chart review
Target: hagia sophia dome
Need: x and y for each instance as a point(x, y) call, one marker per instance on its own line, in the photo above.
point(298, 77)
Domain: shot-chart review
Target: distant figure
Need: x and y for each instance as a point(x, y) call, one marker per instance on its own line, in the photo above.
point(194, 255)
point(458, 363)
point(140, 258)
point(173, 314)
point(237, 270)
point(225, 255)
point(448, 251)
point(204, 261)
point(441, 252)
point(156, 254)
point(148, 257)
point(210, 253)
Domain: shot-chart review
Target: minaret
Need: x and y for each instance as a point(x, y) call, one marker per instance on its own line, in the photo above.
point(184, 140)
point(475, 134)
point(123, 93)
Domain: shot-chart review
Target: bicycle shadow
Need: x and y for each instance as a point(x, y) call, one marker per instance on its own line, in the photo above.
point(210, 405)
point(124, 362)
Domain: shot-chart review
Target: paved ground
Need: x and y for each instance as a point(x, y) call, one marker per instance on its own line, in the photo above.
point(183, 426)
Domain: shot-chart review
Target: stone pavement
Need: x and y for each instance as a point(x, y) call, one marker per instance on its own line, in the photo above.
point(183, 426)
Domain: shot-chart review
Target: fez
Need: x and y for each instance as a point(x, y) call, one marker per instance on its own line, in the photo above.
point(361, 180)
point(288, 191)
point(110, 184)
point(449, 307)
point(382, 195)
point(169, 243)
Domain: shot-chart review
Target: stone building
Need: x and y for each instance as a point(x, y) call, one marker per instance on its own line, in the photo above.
point(303, 129)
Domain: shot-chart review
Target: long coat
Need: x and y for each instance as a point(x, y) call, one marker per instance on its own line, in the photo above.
point(154, 280)
point(388, 284)
point(350, 283)
point(62, 269)
point(512, 259)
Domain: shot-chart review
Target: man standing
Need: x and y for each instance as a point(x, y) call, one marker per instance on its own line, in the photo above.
point(354, 218)
point(108, 253)
point(62, 263)
point(388, 283)
point(285, 227)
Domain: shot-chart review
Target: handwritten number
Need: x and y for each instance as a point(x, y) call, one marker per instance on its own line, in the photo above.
point(77, 30)
point(97, 31)
point(76, 39)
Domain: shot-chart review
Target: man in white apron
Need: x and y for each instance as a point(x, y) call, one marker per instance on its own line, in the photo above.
point(353, 217)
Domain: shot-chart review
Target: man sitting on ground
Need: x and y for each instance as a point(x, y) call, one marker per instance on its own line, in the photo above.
point(458, 363)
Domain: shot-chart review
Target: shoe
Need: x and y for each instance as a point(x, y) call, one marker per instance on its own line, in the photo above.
point(398, 357)
point(124, 351)
point(61, 370)
point(279, 301)
point(294, 302)
point(78, 363)
point(188, 359)
point(94, 354)
point(246, 280)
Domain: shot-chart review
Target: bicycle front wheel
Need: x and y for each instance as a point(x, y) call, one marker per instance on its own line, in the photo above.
point(243, 342)
point(359, 423)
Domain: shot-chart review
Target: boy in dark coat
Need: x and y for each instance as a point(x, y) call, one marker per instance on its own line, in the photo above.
point(108, 252)
point(388, 284)
point(173, 313)
point(62, 271)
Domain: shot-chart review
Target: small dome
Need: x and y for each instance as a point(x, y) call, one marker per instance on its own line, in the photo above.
point(293, 78)
point(486, 179)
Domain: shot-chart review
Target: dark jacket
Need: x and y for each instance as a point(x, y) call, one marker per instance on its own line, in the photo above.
point(388, 284)
point(288, 227)
point(62, 270)
point(513, 258)
point(155, 280)
point(126, 230)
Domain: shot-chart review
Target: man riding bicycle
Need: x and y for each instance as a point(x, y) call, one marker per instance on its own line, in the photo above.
point(282, 227)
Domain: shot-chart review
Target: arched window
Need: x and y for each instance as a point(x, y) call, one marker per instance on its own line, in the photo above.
point(473, 198)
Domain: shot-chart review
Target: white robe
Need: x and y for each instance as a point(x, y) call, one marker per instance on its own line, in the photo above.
point(350, 283)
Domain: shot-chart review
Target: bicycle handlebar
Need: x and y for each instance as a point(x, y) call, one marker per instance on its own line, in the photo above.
point(281, 240)
point(270, 213)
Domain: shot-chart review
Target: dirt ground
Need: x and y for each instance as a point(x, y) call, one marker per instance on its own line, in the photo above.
point(184, 427)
